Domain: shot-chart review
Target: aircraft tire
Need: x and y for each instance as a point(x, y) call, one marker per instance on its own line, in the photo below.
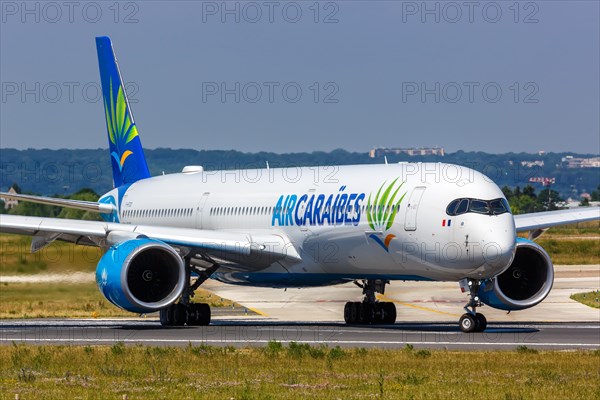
point(389, 313)
point(481, 322)
point(166, 316)
point(348, 313)
point(354, 312)
point(179, 314)
point(467, 323)
point(203, 314)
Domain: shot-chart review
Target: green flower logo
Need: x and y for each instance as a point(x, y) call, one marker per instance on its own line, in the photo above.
point(382, 211)
point(121, 127)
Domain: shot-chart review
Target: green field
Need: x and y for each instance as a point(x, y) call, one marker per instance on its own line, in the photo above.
point(591, 299)
point(58, 257)
point(294, 371)
point(572, 244)
point(59, 300)
point(565, 251)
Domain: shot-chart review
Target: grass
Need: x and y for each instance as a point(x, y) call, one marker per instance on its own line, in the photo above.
point(571, 251)
point(58, 257)
point(572, 244)
point(591, 299)
point(589, 228)
point(59, 300)
point(295, 371)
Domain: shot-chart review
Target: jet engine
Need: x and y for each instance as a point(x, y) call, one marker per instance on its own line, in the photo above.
point(525, 283)
point(141, 275)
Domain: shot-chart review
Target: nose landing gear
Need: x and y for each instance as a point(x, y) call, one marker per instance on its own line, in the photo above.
point(472, 321)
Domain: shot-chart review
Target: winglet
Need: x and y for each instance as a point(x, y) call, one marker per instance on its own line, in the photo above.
point(127, 156)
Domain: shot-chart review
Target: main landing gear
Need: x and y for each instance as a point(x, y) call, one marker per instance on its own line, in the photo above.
point(370, 311)
point(184, 312)
point(472, 321)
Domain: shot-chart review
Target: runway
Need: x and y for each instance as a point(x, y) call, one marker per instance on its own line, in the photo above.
point(428, 302)
point(428, 313)
point(253, 331)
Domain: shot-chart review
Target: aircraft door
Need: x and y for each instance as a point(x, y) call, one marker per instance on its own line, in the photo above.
point(202, 211)
point(410, 222)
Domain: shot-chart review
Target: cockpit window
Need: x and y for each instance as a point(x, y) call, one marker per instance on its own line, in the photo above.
point(487, 207)
point(499, 206)
point(479, 207)
point(452, 207)
point(462, 207)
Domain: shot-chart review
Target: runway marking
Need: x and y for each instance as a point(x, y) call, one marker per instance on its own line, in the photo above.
point(254, 310)
point(337, 342)
point(223, 321)
point(383, 297)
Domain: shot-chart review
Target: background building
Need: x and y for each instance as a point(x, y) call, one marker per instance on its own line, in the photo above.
point(411, 151)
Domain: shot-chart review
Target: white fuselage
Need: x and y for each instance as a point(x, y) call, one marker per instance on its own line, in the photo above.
point(324, 213)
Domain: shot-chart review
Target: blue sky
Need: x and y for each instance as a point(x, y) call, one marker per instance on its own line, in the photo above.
point(304, 76)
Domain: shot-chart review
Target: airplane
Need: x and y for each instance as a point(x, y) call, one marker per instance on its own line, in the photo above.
point(163, 236)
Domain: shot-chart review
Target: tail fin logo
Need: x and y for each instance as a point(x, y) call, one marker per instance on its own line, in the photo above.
point(382, 210)
point(121, 127)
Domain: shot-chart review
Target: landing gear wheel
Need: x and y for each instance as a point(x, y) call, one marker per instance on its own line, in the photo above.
point(166, 316)
point(198, 314)
point(481, 322)
point(179, 314)
point(370, 311)
point(365, 313)
point(354, 311)
point(467, 323)
point(348, 313)
point(389, 313)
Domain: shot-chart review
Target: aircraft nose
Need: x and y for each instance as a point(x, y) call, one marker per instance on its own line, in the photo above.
point(499, 245)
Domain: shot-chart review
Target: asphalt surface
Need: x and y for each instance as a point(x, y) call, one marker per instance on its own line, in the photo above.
point(251, 331)
point(428, 314)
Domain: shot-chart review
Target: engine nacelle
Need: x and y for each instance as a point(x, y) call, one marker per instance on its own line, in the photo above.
point(141, 275)
point(524, 284)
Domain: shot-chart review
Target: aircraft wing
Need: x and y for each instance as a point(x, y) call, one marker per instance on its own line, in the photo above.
point(254, 248)
point(52, 201)
point(544, 220)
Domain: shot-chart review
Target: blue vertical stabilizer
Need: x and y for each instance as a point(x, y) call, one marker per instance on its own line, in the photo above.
point(127, 156)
